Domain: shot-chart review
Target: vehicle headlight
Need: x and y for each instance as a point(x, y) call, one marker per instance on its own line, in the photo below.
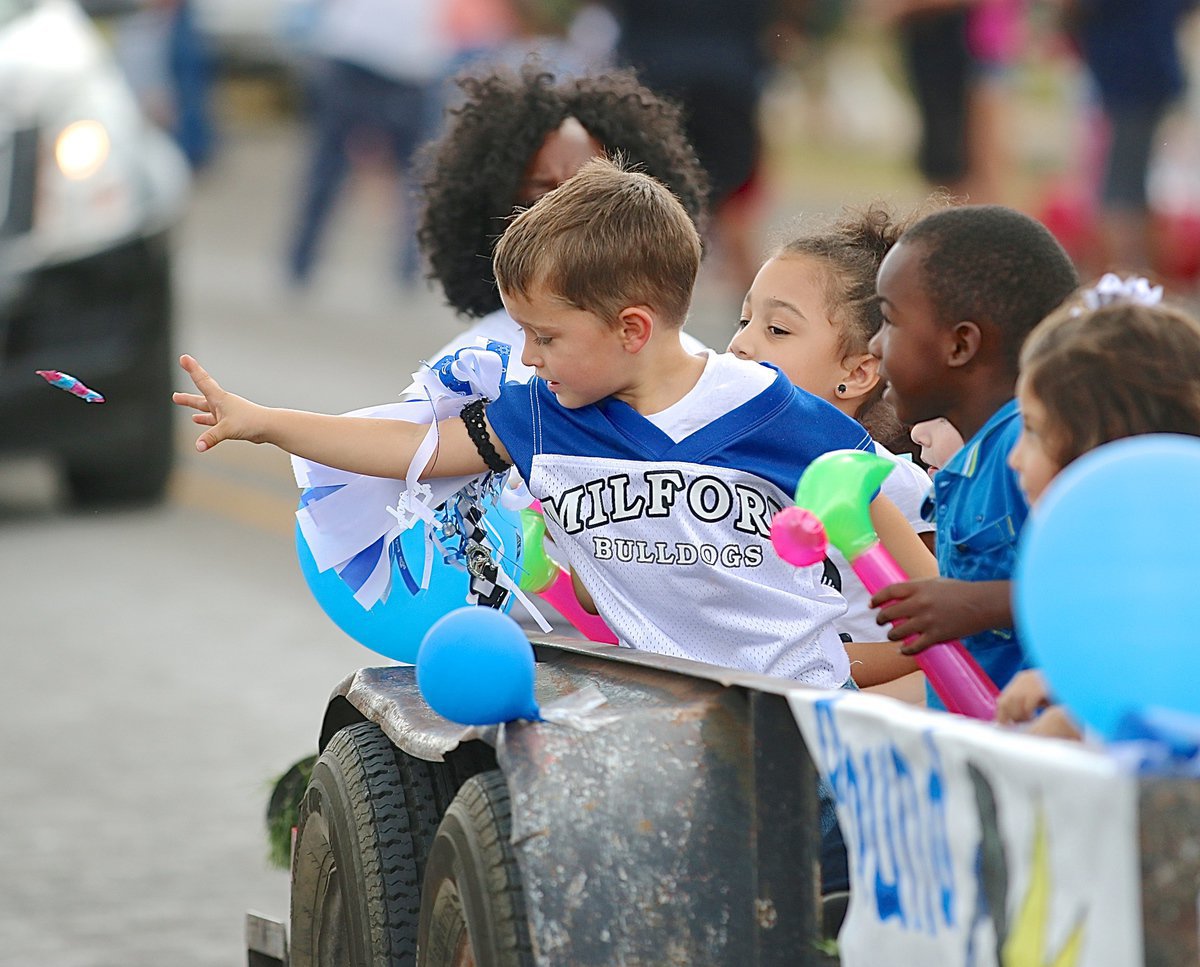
point(103, 174)
point(81, 149)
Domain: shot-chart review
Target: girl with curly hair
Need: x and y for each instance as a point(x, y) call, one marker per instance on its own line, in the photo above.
point(515, 137)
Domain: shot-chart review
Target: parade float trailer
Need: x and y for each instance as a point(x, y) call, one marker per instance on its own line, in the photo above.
point(684, 830)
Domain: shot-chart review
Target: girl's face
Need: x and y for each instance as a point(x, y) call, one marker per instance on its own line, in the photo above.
point(784, 321)
point(938, 440)
point(1031, 458)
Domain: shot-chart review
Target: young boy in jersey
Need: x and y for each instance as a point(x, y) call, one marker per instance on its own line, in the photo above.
point(658, 471)
point(959, 292)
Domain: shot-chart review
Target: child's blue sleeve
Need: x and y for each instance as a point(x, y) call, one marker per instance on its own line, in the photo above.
point(512, 419)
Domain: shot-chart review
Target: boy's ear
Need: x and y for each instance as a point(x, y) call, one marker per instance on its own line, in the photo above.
point(635, 325)
point(966, 338)
point(861, 376)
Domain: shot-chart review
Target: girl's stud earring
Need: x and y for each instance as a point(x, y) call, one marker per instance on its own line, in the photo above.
point(841, 390)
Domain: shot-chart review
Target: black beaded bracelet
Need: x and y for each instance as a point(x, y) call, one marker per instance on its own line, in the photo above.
point(472, 416)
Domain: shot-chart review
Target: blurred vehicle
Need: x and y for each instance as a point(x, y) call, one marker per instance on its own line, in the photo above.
point(89, 190)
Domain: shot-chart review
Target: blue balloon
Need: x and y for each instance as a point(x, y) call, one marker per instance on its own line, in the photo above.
point(1106, 575)
point(475, 667)
point(394, 628)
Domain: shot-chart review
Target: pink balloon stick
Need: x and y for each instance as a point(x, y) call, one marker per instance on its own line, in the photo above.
point(956, 677)
point(561, 596)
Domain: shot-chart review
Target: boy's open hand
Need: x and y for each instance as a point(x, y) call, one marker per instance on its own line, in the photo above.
point(229, 417)
point(941, 609)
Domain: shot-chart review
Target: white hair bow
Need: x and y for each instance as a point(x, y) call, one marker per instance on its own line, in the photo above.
point(1112, 289)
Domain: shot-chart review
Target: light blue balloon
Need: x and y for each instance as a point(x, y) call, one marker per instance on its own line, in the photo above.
point(394, 628)
point(1107, 576)
point(475, 667)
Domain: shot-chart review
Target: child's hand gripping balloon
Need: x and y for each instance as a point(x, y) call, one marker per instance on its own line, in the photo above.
point(833, 504)
point(552, 583)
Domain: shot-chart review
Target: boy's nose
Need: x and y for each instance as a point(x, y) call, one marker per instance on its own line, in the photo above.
point(875, 346)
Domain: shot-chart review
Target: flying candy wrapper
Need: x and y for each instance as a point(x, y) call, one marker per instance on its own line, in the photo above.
point(70, 384)
point(833, 504)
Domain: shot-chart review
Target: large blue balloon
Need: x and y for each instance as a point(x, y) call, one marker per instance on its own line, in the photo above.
point(1106, 580)
point(394, 628)
point(475, 667)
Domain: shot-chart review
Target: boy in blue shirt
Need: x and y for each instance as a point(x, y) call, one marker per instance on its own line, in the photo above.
point(959, 292)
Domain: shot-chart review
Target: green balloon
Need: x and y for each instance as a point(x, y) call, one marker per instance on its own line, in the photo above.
point(538, 571)
point(838, 488)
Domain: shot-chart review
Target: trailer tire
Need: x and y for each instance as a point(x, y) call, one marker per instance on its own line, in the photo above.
point(362, 836)
point(473, 907)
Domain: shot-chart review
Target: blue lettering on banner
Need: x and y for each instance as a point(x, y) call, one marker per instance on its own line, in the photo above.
point(900, 844)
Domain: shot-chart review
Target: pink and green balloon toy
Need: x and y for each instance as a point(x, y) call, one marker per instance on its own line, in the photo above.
point(544, 577)
point(833, 502)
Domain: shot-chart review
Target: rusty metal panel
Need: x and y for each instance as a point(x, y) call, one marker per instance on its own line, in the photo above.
point(1170, 856)
point(681, 832)
point(676, 834)
point(786, 837)
point(390, 698)
point(634, 840)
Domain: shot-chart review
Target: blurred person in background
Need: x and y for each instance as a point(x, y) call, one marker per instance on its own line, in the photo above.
point(376, 64)
point(710, 57)
point(477, 27)
point(959, 56)
point(166, 62)
point(569, 38)
point(1132, 52)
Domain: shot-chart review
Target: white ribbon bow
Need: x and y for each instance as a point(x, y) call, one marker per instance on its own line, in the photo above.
point(1112, 288)
point(341, 525)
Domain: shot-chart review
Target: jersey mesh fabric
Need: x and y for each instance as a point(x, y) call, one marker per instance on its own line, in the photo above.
point(699, 587)
point(672, 537)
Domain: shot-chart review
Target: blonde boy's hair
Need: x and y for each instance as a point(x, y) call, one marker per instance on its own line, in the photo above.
point(604, 240)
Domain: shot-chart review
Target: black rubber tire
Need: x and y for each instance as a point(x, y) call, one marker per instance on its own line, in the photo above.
point(468, 759)
point(473, 906)
point(366, 822)
point(425, 804)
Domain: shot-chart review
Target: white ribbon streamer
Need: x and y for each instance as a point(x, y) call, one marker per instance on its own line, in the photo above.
point(365, 510)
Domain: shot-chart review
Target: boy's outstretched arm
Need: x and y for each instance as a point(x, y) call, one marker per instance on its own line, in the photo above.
point(373, 447)
point(943, 609)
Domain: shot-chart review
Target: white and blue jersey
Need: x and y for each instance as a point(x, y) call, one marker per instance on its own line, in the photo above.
point(672, 535)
